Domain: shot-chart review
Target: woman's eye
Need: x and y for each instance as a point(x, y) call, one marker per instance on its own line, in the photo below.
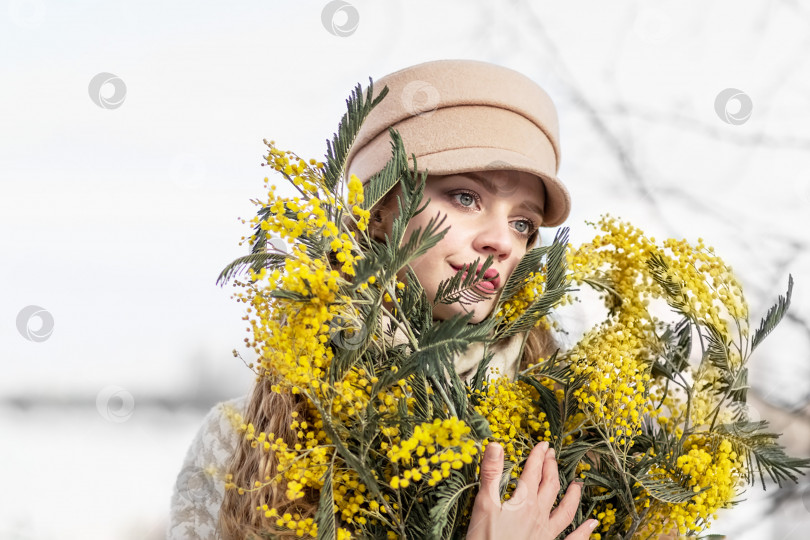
point(523, 226)
point(465, 199)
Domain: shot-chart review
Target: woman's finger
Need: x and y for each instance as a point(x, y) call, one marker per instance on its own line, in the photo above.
point(533, 469)
point(583, 532)
point(530, 477)
point(563, 515)
point(491, 470)
point(488, 501)
point(550, 484)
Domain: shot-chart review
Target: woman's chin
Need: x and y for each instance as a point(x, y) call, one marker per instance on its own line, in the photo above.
point(446, 311)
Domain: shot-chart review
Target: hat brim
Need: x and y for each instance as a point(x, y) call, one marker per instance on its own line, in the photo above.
point(463, 139)
point(557, 199)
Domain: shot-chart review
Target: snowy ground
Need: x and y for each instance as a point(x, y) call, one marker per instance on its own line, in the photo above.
point(72, 474)
point(116, 221)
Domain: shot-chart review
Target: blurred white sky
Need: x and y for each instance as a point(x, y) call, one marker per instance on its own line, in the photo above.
point(118, 221)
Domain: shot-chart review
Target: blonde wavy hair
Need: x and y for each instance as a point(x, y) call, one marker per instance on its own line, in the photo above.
point(268, 411)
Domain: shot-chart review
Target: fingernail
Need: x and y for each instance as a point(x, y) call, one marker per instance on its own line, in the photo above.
point(550, 453)
point(592, 523)
point(493, 452)
point(544, 446)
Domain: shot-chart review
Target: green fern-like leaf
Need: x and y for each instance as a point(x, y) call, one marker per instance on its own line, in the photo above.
point(555, 263)
point(420, 242)
point(665, 489)
point(352, 339)
point(674, 290)
point(677, 345)
point(478, 424)
point(393, 254)
point(409, 199)
point(717, 349)
point(734, 377)
point(601, 283)
point(536, 311)
point(422, 407)
point(449, 492)
point(555, 287)
point(463, 287)
point(481, 372)
point(260, 235)
point(763, 454)
point(257, 261)
point(383, 181)
point(289, 295)
point(547, 401)
point(325, 516)
point(530, 262)
point(358, 463)
point(316, 246)
point(338, 149)
point(441, 342)
point(415, 305)
point(774, 316)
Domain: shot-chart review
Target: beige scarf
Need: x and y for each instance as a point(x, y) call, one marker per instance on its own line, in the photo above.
point(505, 359)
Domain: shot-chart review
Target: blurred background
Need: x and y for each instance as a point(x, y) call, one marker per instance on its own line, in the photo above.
point(131, 142)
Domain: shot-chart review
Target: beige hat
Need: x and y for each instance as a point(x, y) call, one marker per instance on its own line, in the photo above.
point(464, 116)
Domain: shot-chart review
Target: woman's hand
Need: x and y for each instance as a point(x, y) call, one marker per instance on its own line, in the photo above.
point(527, 514)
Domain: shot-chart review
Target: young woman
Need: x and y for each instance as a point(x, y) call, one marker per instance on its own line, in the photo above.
point(488, 136)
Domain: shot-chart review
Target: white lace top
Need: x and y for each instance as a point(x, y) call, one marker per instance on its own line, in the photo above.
point(200, 487)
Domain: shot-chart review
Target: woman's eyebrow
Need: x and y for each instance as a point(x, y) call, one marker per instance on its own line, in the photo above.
point(531, 207)
point(485, 182)
point(489, 185)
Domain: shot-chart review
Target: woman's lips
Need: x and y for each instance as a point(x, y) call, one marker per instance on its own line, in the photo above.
point(491, 274)
point(486, 285)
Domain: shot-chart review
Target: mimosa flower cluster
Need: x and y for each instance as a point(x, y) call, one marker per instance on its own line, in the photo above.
point(529, 293)
point(387, 440)
point(432, 451)
point(665, 418)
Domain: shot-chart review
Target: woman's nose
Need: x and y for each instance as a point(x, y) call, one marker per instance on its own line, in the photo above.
point(494, 239)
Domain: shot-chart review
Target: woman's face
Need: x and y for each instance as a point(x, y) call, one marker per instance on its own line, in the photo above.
point(489, 213)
